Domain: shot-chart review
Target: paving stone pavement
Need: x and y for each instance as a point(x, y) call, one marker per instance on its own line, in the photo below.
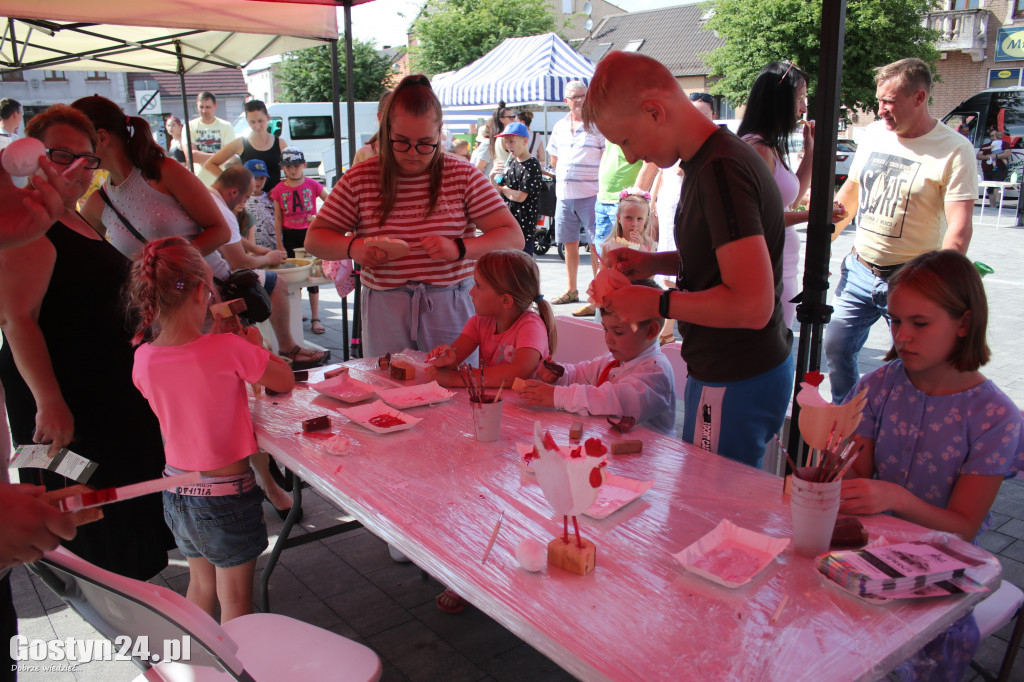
point(349, 585)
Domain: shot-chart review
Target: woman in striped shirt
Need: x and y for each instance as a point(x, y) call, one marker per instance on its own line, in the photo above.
point(435, 202)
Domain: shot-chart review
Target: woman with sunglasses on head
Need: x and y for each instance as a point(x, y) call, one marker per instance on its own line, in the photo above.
point(435, 202)
point(502, 117)
point(775, 107)
point(66, 361)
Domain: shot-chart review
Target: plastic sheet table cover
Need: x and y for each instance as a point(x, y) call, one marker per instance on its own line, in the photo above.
point(434, 492)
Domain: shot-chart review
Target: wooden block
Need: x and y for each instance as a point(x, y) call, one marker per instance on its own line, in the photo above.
point(402, 371)
point(554, 368)
point(384, 362)
point(518, 385)
point(301, 374)
point(627, 447)
point(334, 372)
point(316, 423)
point(570, 557)
point(576, 431)
point(228, 308)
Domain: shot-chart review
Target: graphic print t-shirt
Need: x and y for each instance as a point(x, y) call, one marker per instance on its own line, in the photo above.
point(903, 185)
point(298, 204)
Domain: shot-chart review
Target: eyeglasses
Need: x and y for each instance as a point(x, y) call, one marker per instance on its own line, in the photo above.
point(576, 98)
point(508, 116)
point(790, 66)
point(701, 97)
point(421, 148)
point(66, 158)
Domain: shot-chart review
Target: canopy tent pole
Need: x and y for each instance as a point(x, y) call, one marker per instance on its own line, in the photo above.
point(184, 104)
point(357, 295)
point(812, 311)
point(336, 108)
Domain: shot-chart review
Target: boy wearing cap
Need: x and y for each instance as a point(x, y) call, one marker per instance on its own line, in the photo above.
point(520, 184)
point(294, 201)
point(260, 208)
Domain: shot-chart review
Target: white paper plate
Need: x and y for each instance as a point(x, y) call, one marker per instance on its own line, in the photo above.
point(615, 493)
point(413, 396)
point(730, 555)
point(343, 387)
point(362, 414)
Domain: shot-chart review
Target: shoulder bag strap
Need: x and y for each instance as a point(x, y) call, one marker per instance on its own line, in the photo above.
point(120, 216)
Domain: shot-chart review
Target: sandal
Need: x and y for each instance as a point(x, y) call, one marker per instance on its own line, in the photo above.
point(568, 297)
point(317, 326)
point(450, 602)
point(304, 358)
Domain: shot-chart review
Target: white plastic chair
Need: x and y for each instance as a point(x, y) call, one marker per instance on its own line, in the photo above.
point(259, 646)
point(998, 609)
point(578, 340)
point(673, 352)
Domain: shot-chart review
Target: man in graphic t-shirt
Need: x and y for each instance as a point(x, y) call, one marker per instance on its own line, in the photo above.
point(912, 187)
point(209, 134)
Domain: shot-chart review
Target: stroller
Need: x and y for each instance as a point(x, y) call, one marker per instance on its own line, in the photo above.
point(544, 237)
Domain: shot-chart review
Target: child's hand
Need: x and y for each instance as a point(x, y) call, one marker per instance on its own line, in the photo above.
point(545, 374)
point(368, 255)
point(443, 356)
point(636, 237)
point(440, 248)
point(537, 393)
point(252, 335)
point(867, 496)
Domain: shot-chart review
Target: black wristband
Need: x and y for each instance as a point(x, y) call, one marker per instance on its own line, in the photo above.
point(348, 248)
point(663, 302)
point(461, 245)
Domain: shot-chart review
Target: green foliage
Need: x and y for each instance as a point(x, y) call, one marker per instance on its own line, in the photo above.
point(305, 75)
point(452, 33)
point(757, 32)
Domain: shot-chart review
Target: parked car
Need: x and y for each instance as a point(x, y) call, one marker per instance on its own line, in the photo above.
point(999, 108)
point(844, 159)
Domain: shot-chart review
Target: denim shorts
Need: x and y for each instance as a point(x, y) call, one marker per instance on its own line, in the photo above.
point(227, 531)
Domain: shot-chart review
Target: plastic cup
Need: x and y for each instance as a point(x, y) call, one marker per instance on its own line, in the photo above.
point(814, 507)
point(486, 418)
point(299, 253)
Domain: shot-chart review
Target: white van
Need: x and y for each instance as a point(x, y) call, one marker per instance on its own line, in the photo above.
point(310, 127)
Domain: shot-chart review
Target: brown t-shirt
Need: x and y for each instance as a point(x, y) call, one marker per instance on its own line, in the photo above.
point(729, 194)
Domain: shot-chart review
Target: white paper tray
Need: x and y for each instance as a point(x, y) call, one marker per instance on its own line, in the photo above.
point(405, 397)
point(362, 414)
point(730, 555)
point(344, 388)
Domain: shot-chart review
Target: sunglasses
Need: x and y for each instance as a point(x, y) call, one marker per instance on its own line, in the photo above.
point(790, 66)
point(701, 97)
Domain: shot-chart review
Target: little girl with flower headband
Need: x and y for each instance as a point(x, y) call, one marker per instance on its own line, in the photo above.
point(633, 219)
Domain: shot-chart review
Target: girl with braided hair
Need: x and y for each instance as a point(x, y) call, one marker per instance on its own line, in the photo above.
point(196, 385)
point(66, 363)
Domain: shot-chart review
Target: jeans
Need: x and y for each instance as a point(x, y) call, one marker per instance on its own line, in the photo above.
point(860, 299)
point(607, 214)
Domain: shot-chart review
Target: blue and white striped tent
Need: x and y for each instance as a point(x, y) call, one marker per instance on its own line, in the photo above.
point(527, 70)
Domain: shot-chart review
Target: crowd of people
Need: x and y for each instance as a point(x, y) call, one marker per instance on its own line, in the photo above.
point(718, 231)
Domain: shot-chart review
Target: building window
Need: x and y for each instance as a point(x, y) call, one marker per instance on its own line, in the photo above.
point(54, 76)
point(963, 4)
point(633, 45)
point(1018, 8)
point(96, 76)
point(1003, 78)
point(12, 77)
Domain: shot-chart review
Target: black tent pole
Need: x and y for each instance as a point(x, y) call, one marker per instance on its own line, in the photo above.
point(184, 103)
point(336, 108)
point(812, 312)
point(357, 295)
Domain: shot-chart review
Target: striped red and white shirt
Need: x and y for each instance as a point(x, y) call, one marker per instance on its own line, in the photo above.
point(465, 197)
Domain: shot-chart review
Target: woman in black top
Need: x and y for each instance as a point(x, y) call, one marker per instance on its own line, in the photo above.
point(258, 144)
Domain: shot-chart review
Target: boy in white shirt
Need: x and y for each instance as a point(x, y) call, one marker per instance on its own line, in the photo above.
point(633, 379)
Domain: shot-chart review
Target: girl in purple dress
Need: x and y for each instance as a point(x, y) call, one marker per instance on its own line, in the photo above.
point(937, 438)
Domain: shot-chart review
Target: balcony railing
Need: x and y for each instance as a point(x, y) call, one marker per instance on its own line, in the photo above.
point(965, 30)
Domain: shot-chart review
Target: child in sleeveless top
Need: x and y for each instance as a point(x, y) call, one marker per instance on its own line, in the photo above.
point(196, 385)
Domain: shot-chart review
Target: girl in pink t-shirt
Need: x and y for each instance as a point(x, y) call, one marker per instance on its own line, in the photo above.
point(512, 339)
point(196, 385)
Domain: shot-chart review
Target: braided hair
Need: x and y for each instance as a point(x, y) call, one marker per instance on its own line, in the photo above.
point(164, 274)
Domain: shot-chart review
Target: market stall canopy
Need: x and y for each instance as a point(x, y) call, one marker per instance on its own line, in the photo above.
point(126, 35)
point(527, 70)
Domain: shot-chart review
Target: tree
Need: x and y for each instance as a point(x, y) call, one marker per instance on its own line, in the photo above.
point(757, 32)
point(305, 75)
point(452, 33)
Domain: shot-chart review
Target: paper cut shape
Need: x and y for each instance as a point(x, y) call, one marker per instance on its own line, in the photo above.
point(820, 420)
